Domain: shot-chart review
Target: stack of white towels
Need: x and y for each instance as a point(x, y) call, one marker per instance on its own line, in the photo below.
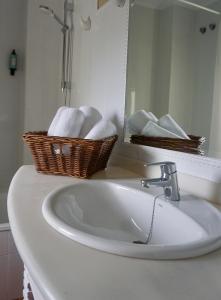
point(85, 122)
point(147, 124)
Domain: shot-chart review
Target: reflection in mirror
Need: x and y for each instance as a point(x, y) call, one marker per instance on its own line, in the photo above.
point(174, 67)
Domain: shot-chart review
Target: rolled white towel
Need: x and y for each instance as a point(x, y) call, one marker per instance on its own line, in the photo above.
point(153, 129)
point(170, 124)
point(137, 121)
point(68, 123)
point(92, 116)
point(102, 129)
point(55, 120)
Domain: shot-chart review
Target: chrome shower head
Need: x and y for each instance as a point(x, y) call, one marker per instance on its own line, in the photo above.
point(47, 10)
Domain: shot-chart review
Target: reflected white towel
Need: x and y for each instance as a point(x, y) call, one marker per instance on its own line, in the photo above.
point(153, 129)
point(102, 129)
point(170, 124)
point(152, 117)
point(55, 120)
point(137, 121)
point(92, 116)
point(68, 123)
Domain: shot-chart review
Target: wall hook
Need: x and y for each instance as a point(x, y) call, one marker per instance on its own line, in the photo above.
point(212, 26)
point(203, 30)
point(85, 23)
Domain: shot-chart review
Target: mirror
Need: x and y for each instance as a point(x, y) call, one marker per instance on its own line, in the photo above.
point(174, 67)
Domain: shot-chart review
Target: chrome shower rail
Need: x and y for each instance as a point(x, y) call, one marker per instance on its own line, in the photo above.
point(67, 52)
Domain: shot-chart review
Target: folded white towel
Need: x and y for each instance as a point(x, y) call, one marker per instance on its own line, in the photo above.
point(153, 129)
point(68, 123)
point(102, 129)
point(152, 117)
point(137, 121)
point(55, 120)
point(170, 124)
point(92, 116)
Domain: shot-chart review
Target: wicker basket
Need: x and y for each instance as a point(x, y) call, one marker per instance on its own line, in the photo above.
point(68, 156)
point(183, 145)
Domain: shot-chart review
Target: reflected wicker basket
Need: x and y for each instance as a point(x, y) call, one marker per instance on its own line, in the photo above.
point(183, 145)
point(68, 156)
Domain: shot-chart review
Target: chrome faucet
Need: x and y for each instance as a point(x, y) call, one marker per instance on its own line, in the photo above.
point(168, 180)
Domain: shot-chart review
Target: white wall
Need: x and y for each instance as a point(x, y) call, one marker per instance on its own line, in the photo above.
point(206, 60)
point(215, 138)
point(99, 67)
point(141, 59)
point(12, 36)
point(183, 66)
point(163, 59)
point(43, 68)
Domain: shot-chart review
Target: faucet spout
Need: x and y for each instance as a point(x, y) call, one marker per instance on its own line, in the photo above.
point(168, 180)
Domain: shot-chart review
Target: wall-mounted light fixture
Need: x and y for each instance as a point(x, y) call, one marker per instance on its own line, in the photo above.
point(101, 3)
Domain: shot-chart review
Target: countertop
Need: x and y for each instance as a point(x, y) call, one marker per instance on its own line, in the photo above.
point(65, 270)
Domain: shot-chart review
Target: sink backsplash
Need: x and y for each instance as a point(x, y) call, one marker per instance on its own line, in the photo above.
point(201, 178)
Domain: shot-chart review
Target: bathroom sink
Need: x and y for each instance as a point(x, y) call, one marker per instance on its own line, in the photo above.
point(116, 217)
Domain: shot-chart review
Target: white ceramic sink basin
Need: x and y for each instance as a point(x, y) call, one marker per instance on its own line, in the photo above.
point(110, 216)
